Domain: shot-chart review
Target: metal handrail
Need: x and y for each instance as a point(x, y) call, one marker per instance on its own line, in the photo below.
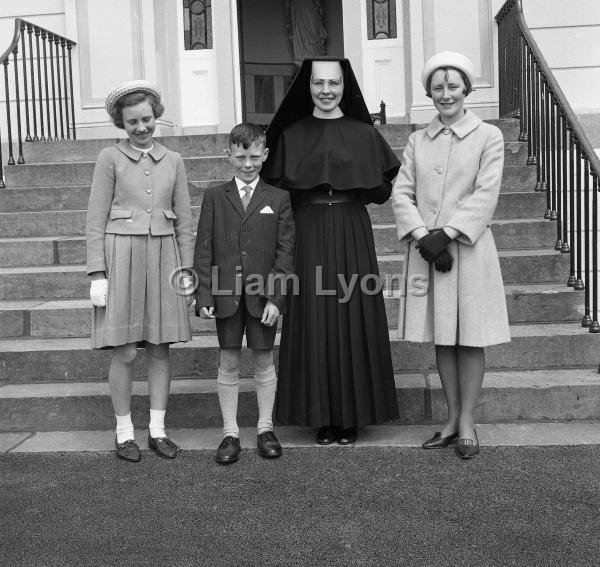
point(50, 71)
point(571, 117)
point(568, 169)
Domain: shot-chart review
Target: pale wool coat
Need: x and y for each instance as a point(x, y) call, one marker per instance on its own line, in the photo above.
point(451, 177)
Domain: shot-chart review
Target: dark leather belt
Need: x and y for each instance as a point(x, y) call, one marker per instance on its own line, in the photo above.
point(325, 196)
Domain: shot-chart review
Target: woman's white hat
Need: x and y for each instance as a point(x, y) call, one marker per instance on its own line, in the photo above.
point(130, 87)
point(447, 59)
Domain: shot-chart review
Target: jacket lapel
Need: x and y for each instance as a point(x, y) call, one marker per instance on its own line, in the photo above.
point(257, 198)
point(231, 192)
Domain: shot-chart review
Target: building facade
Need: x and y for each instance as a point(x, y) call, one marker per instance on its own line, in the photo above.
point(223, 61)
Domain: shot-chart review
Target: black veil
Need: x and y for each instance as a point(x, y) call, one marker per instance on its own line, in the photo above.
point(298, 103)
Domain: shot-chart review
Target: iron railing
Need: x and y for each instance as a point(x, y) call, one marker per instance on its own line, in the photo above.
point(38, 90)
point(568, 169)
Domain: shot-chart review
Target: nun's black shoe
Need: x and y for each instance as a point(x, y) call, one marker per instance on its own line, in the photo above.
point(347, 436)
point(163, 447)
point(128, 450)
point(467, 448)
point(439, 442)
point(327, 435)
point(228, 451)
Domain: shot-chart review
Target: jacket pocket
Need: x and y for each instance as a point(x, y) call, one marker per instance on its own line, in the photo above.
point(120, 214)
point(169, 214)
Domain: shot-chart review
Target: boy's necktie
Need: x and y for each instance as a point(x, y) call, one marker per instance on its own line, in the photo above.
point(246, 198)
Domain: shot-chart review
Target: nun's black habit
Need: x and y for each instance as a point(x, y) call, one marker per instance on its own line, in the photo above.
point(335, 365)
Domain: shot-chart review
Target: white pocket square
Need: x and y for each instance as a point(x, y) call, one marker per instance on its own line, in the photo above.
point(267, 210)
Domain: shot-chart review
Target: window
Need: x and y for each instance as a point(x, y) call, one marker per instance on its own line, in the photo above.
point(381, 19)
point(197, 24)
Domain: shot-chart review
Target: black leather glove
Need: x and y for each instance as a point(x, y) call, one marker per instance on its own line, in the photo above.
point(443, 263)
point(433, 244)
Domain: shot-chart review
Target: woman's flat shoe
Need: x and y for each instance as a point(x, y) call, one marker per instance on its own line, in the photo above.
point(128, 451)
point(163, 447)
point(439, 442)
point(327, 435)
point(467, 448)
point(347, 436)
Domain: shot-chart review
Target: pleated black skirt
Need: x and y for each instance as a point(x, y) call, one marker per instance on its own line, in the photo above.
point(335, 365)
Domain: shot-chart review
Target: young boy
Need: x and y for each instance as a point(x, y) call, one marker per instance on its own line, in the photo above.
point(243, 257)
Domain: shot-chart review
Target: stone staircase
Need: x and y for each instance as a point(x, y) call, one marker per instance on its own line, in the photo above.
point(51, 380)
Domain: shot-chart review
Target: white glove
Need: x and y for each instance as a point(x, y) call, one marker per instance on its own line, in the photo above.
point(98, 291)
point(187, 285)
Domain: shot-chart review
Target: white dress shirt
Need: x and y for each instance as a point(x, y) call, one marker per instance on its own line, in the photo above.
point(240, 185)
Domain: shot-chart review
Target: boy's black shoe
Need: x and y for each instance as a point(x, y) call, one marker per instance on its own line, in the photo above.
point(228, 451)
point(268, 445)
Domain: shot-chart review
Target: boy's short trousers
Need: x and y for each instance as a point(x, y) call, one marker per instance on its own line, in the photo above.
point(231, 330)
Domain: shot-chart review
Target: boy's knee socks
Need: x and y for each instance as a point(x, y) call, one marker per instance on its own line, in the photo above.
point(228, 386)
point(266, 386)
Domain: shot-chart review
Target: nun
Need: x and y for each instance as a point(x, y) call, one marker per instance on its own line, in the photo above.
point(335, 366)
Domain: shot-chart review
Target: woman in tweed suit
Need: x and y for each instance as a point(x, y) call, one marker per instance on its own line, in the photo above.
point(139, 235)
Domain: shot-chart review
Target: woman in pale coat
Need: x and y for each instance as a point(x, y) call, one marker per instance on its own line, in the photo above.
point(140, 238)
point(444, 198)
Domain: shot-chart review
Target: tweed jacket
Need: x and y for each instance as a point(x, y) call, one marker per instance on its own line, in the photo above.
point(234, 246)
point(136, 192)
point(451, 177)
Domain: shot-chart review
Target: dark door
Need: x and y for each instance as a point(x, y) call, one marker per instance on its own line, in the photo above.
point(275, 36)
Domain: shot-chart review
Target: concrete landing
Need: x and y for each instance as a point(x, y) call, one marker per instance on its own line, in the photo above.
point(490, 435)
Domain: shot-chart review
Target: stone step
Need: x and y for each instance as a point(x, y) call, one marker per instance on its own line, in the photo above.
point(76, 174)
point(42, 251)
point(512, 205)
point(507, 396)
point(518, 267)
point(199, 144)
point(71, 281)
point(58, 249)
point(508, 234)
point(539, 346)
point(39, 199)
point(72, 317)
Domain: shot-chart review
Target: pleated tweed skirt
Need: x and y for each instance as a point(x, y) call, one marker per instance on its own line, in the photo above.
point(335, 365)
point(142, 306)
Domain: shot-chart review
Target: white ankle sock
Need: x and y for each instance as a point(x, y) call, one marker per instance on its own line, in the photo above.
point(157, 423)
point(266, 386)
point(228, 386)
point(124, 428)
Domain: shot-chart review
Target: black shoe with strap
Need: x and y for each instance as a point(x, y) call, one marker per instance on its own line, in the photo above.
point(268, 445)
point(128, 451)
point(163, 447)
point(228, 451)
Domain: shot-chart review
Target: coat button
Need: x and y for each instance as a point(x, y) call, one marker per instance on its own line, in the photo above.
point(243, 253)
point(147, 172)
point(439, 170)
point(148, 210)
point(434, 211)
point(144, 155)
point(148, 191)
point(445, 131)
